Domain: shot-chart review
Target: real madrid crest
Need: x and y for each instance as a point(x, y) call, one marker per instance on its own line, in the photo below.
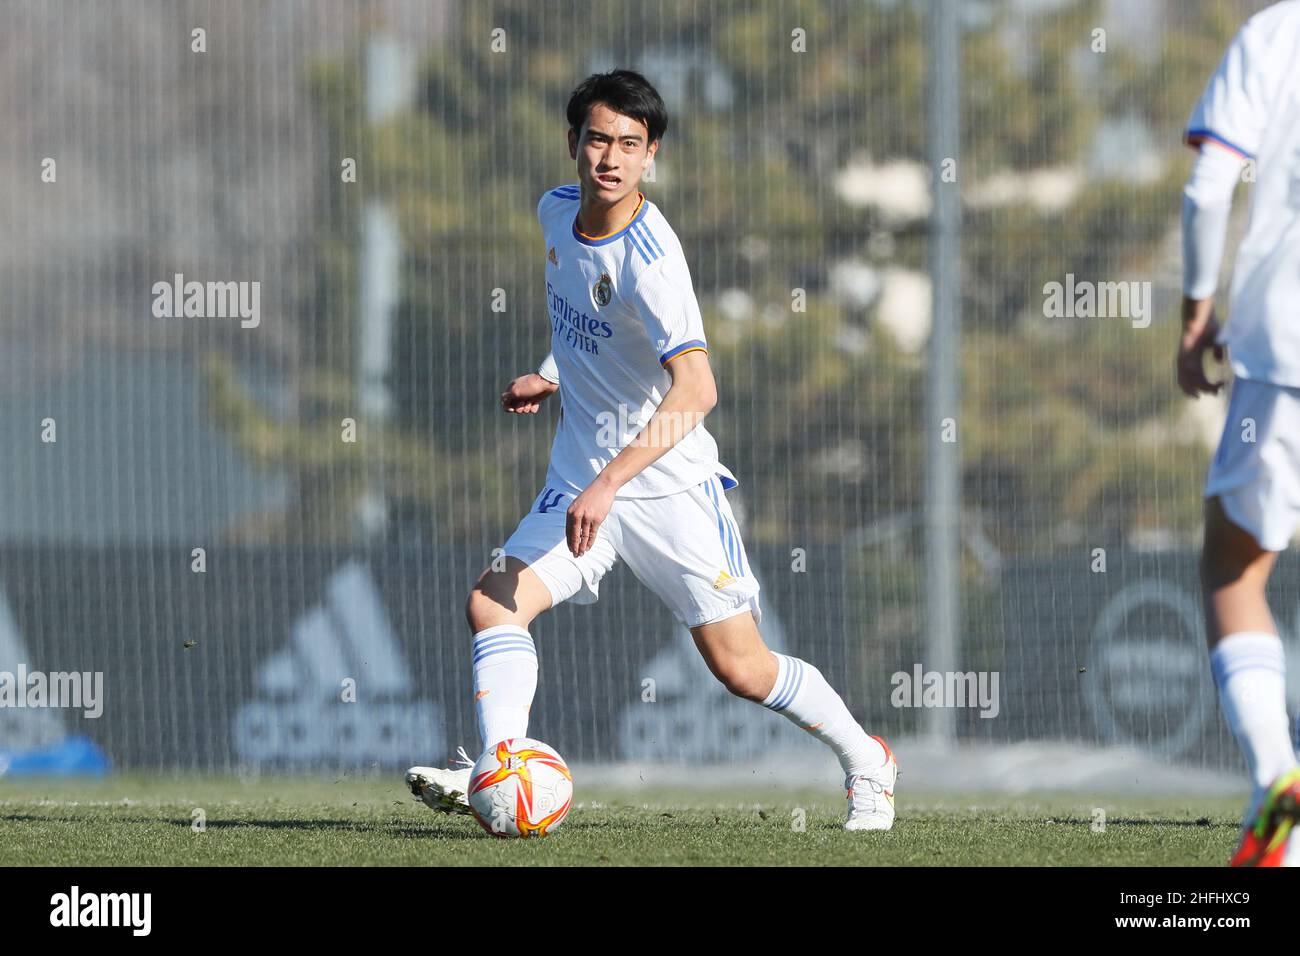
point(603, 290)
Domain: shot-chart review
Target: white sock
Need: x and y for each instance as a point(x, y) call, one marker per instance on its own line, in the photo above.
point(505, 679)
point(1250, 672)
point(802, 694)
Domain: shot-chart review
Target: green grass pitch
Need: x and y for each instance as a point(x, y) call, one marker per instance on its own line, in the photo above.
point(310, 821)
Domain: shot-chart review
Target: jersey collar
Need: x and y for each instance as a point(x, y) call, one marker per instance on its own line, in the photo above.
point(637, 216)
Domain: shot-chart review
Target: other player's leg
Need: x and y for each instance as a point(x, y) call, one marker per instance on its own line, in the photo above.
point(1252, 508)
point(1249, 669)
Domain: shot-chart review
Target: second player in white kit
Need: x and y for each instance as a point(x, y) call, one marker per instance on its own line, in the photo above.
point(1250, 113)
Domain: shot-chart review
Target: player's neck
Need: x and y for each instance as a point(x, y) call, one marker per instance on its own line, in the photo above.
point(595, 221)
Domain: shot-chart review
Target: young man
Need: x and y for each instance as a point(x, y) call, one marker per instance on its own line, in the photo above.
point(633, 473)
point(1250, 112)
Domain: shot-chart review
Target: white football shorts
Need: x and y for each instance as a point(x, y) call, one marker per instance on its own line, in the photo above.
point(1256, 471)
point(684, 547)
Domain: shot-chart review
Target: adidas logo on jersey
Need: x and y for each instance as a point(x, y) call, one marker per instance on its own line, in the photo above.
point(552, 258)
point(305, 713)
point(722, 580)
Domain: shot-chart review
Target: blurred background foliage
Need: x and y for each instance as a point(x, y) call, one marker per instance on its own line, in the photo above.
point(1065, 424)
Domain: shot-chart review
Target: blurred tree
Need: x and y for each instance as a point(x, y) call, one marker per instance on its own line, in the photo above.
point(1062, 426)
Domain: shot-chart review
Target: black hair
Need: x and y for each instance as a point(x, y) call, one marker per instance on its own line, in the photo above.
point(623, 91)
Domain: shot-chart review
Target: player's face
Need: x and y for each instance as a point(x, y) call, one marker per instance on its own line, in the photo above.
point(612, 151)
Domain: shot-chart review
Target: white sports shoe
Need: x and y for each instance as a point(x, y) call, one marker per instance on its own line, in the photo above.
point(871, 796)
point(443, 790)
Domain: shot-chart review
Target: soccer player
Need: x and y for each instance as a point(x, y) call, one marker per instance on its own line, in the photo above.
point(633, 472)
point(1250, 112)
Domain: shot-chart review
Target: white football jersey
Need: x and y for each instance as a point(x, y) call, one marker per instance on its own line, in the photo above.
point(1252, 107)
point(621, 308)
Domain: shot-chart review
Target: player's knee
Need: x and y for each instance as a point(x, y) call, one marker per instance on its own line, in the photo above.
point(742, 678)
point(495, 600)
point(481, 610)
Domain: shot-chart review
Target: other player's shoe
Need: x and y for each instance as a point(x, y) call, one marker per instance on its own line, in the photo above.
point(1265, 841)
point(871, 795)
point(443, 790)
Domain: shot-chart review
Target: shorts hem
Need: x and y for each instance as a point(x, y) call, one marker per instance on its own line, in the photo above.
point(1237, 515)
point(710, 616)
point(533, 560)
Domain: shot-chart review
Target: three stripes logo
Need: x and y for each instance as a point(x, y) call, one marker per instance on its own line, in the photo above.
point(304, 713)
point(643, 241)
point(789, 682)
point(727, 533)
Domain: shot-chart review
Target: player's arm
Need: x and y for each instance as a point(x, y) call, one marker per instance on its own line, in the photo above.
point(524, 395)
point(1227, 127)
point(1207, 203)
point(664, 301)
point(692, 395)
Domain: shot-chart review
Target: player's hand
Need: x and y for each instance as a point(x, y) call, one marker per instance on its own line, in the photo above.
point(585, 515)
point(524, 396)
point(1200, 333)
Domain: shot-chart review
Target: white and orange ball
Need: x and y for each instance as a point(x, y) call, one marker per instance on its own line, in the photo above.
point(520, 788)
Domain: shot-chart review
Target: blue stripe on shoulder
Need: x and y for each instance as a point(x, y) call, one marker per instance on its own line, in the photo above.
point(647, 240)
point(631, 238)
point(646, 234)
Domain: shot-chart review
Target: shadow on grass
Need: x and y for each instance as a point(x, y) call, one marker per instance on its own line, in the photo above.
point(1203, 823)
point(399, 828)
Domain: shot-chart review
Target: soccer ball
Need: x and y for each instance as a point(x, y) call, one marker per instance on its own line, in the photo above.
point(520, 788)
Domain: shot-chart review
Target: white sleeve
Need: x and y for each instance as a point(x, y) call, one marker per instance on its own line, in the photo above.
point(1233, 113)
point(549, 370)
point(1207, 203)
point(664, 300)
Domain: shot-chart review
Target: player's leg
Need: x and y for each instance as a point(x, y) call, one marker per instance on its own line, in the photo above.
point(1234, 575)
point(499, 610)
point(687, 548)
point(734, 651)
point(536, 573)
point(1249, 669)
point(1252, 500)
point(736, 654)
